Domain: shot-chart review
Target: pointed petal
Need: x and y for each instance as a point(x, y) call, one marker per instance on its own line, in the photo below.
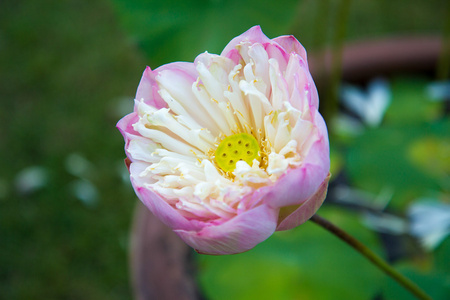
point(292, 216)
point(291, 44)
point(148, 90)
point(277, 53)
point(125, 126)
point(253, 35)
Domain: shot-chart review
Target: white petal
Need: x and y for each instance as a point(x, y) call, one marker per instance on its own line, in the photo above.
point(163, 118)
point(180, 98)
point(261, 65)
point(210, 104)
point(278, 84)
point(165, 140)
point(142, 149)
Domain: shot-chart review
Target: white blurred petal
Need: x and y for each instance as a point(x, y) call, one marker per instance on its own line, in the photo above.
point(86, 192)
point(439, 91)
point(77, 165)
point(31, 179)
point(371, 105)
point(430, 222)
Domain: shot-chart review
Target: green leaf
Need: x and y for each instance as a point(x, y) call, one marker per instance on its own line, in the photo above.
point(410, 103)
point(433, 283)
point(387, 157)
point(304, 263)
point(433, 278)
point(441, 255)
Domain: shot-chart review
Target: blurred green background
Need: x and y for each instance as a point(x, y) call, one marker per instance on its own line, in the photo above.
point(69, 71)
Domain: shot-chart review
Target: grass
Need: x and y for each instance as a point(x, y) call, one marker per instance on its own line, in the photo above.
point(65, 67)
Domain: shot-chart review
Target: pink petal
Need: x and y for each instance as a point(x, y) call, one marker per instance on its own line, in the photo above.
point(148, 90)
point(148, 87)
point(187, 68)
point(125, 125)
point(292, 216)
point(298, 82)
point(234, 56)
point(321, 154)
point(313, 95)
point(277, 52)
point(126, 129)
point(162, 210)
point(291, 44)
point(236, 235)
point(298, 185)
point(253, 35)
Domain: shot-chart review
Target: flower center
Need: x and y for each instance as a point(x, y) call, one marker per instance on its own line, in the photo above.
point(236, 147)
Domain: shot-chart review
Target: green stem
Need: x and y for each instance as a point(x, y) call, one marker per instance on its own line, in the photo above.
point(369, 254)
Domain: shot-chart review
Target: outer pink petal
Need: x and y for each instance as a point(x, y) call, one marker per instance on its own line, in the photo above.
point(126, 129)
point(299, 78)
point(148, 87)
point(292, 216)
point(313, 95)
point(253, 35)
point(320, 155)
point(148, 90)
point(291, 44)
point(125, 125)
point(161, 209)
point(237, 235)
point(296, 186)
point(187, 68)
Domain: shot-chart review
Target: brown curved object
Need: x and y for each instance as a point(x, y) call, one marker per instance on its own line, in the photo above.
point(364, 60)
point(161, 263)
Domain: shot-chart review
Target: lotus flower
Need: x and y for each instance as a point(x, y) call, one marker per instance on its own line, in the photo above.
point(230, 148)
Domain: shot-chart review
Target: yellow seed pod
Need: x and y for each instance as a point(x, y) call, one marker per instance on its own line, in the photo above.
point(236, 147)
